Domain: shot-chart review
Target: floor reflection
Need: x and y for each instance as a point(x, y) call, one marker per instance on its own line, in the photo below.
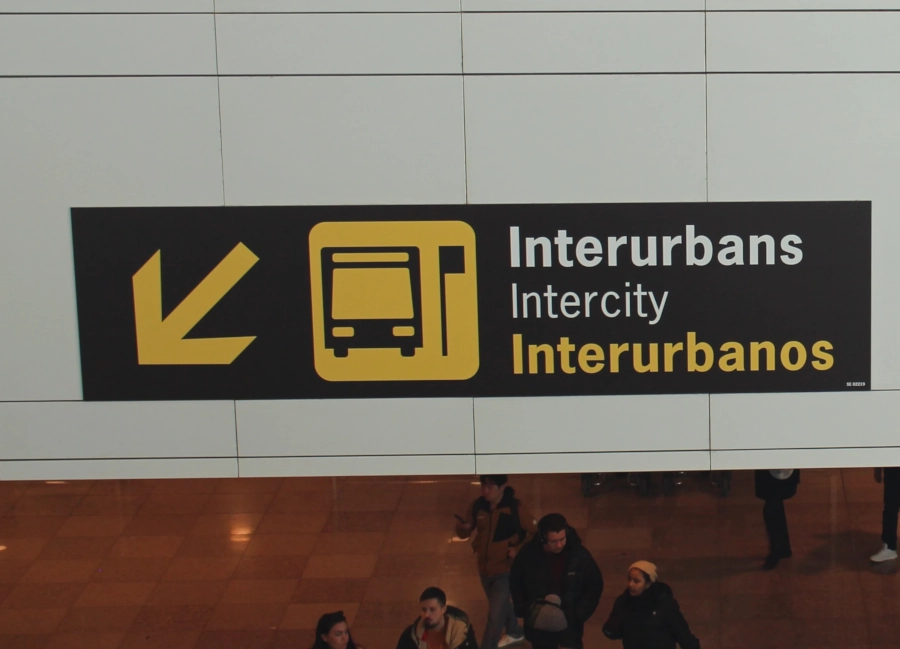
point(252, 563)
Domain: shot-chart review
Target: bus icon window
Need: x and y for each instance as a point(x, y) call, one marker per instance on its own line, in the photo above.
point(372, 299)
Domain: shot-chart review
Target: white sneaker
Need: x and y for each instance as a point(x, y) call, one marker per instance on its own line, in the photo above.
point(884, 554)
point(510, 640)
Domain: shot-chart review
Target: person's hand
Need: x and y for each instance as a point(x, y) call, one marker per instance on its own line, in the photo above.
point(512, 552)
point(878, 476)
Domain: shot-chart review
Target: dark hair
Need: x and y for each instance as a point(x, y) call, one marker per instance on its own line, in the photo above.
point(551, 523)
point(434, 593)
point(497, 480)
point(326, 623)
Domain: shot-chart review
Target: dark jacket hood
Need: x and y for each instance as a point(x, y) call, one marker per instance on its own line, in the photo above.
point(459, 614)
point(657, 593)
point(659, 590)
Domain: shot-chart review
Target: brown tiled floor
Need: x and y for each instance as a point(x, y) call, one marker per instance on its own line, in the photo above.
point(185, 564)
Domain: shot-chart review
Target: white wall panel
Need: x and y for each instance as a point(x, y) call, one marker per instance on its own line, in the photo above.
point(548, 139)
point(592, 424)
point(578, 120)
point(339, 43)
point(583, 42)
point(818, 137)
point(803, 41)
point(804, 420)
point(335, 6)
point(96, 430)
point(105, 6)
point(593, 462)
point(118, 469)
point(819, 458)
point(85, 143)
point(582, 5)
point(340, 466)
point(355, 427)
point(93, 45)
point(802, 5)
point(343, 140)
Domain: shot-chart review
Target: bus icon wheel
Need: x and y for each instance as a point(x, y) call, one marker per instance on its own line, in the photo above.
point(407, 351)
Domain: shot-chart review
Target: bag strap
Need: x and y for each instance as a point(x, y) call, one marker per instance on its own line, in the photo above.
point(543, 602)
point(514, 510)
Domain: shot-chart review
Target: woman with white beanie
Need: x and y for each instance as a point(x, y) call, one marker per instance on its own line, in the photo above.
point(646, 615)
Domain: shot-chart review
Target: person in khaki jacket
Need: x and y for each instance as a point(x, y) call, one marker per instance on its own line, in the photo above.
point(439, 626)
point(501, 525)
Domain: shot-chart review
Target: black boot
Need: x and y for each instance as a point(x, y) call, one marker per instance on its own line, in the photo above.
point(771, 561)
point(776, 555)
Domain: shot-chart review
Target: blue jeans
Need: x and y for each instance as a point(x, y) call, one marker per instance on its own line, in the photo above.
point(500, 610)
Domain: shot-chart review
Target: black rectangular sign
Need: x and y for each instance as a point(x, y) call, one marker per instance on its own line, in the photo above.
point(472, 300)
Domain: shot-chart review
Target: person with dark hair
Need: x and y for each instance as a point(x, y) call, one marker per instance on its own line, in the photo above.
point(774, 486)
point(556, 585)
point(332, 632)
point(646, 615)
point(438, 626)
point(501, 524)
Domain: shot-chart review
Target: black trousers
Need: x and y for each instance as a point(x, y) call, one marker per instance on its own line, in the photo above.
point(891, 507)
point(776, 527)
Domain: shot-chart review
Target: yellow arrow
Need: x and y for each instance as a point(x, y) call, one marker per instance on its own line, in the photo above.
point(163, 342)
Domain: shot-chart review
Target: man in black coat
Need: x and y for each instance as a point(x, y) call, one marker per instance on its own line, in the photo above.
point(556, 563)
point(774, 487)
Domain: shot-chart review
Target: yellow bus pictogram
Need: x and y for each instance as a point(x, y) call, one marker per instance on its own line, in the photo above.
point(394, 300)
